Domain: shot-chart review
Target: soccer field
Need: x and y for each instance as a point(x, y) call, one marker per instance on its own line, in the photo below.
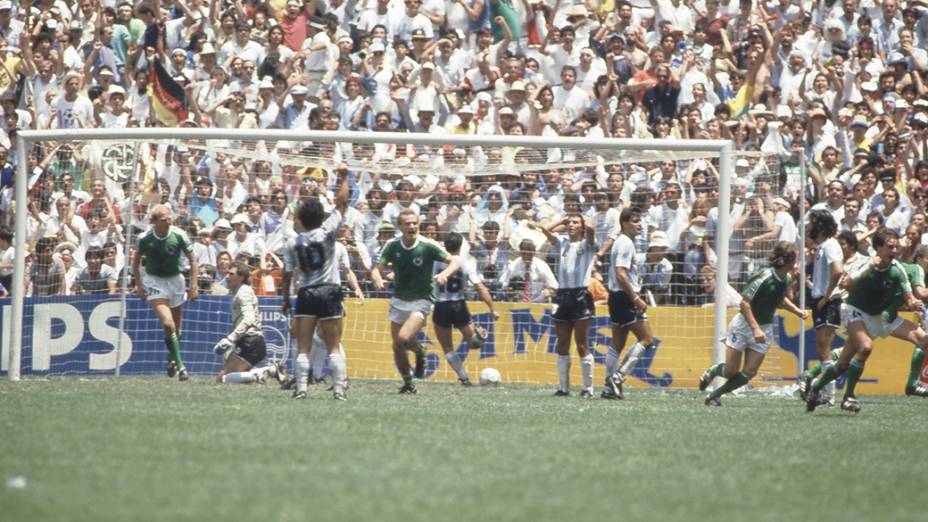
point(153, 449)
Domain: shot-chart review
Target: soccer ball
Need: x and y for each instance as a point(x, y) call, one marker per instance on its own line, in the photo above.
point(489, 376)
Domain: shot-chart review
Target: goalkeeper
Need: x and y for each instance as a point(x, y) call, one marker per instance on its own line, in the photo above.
point(245, 347)
point(451, 308)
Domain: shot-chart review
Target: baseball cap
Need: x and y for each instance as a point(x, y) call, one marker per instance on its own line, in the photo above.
point(376, 47)
point(299, 90)
point(207, 49)
point(419, 34)
point(240, 219)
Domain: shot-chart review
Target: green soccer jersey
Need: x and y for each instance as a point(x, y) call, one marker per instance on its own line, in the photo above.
point(881, 291)
point(765, 291)
point(914, 273)
point(412, 267)
point(163, 254)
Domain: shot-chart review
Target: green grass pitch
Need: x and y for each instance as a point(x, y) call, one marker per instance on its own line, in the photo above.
point(153, 449)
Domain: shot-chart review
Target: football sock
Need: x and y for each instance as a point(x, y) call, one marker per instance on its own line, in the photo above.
point(739, 380)
point(317, 358)
point(814, 371)
point(612, 361)
point(586, 367)
point(454, 361)
point(339, 369)
point(854, 371)
point(240, 377)
point(173, 345)
point(828, 390)
point(717, 370)
point(563, 372)
point(828, 374)
point(634, 353)
point(918, 358)
point(302, 371)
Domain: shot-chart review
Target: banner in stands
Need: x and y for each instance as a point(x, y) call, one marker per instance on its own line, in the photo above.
point(80, 335)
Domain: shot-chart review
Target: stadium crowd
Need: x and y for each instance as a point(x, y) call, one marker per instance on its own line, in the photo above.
point(837, 84)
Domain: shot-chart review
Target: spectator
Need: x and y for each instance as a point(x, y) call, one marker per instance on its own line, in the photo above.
point(96, 277)
point(527, 278)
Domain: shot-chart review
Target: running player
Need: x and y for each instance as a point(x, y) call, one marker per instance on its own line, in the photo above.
point(319, 299)
point(245, 347)
point(751, 330)
point(916, 273)
point(451, 309)
point(627, 309)
point(874, 297)
point(827, 269)
point(412, 258)
point(162, 284)
point(576, 254)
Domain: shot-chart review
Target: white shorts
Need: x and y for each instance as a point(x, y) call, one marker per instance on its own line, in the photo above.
point(875, 325)
point(740, 336)
point(172, 289)
point(401, 310)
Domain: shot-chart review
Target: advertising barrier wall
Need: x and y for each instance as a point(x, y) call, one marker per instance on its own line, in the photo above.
point(80, 335)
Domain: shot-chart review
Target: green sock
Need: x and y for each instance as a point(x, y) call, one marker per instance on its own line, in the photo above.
point(813, 372)
point(830, 374)
point(854, 371)
point(739, 380)
point(173, 345)
point(918, 357)
point(407, 379)
point(836, 353)
point(717, 370)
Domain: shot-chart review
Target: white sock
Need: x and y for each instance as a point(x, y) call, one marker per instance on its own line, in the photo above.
point(563, 372)
point(341, 350)
point(456, 364)
point(317, 358)
point(302, 371)
point(339, 370)
point(586, 367)
point(612, 362)
point(634, 353)
point(240, 377)
point(828, 392)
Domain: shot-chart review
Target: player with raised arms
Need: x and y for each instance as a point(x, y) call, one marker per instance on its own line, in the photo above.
point(627, 309)
point(311, 254)
point(244, 347)
point(162, 284)
point(875, 295)
point(751, 330)
point(576, 254)
point(451, 308)
point(412, 258)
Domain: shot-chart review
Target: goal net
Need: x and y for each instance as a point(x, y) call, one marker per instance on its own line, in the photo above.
point(235, 194)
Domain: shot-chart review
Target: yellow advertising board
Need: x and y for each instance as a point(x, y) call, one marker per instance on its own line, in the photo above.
point(521, 346)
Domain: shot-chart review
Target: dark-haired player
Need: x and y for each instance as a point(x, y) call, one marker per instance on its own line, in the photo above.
point(451, 308)
point(576, 254)
point(627, 309)
point(162, 246)
point(827, 269)
point(875, 295)
point(244, 347)
point(750, 331)
point(319, 300)
point(412, 258)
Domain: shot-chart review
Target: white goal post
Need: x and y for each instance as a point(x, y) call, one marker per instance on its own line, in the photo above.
point(697, 148)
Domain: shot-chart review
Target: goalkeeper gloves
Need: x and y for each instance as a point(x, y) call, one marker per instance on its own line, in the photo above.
point(223, 348)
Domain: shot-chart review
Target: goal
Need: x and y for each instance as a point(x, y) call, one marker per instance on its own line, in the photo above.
point(480, 186)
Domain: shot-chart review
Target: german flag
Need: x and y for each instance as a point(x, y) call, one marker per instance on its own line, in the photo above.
point(168, 98)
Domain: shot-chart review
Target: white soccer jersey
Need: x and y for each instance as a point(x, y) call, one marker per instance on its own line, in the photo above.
point(623, 255)
point(246, 318)
point(453, 290)
point(575, 263)
point(313, 256)
point(826, 253)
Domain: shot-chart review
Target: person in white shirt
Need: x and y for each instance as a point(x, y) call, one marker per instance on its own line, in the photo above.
point(568, 98)
point(72, 110)
point(243, 241)
point(533, 280)
point(576, 253)
point(318, 56)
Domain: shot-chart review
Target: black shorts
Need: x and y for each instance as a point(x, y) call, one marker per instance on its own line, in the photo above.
point(622, 310)
point(451, 313)
point(251, 348)
point(321, 302)
point(573, 304)
point(829, 315)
